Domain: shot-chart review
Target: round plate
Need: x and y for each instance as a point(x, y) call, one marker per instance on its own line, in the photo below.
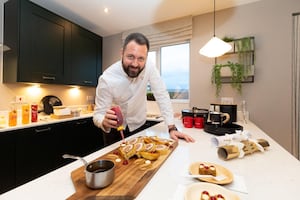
point(194, 191)
point(194, 169)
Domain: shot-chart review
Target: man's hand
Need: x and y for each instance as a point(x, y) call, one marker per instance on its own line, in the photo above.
point(175, 135)
point(110, 120)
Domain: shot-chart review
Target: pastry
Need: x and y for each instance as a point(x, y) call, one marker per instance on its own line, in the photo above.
point(150, 147)
point(206, 196)
point(150, 155)
point(207, 169)
point(135, 140)
point(140, 146)
point(158, 140)
point(148, 140)
point(162, 149)
point(127, 151)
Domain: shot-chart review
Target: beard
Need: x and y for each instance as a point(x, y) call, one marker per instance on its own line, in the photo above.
point(132, 71)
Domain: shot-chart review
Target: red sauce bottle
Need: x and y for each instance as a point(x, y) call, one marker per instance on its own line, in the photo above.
point(34, 112)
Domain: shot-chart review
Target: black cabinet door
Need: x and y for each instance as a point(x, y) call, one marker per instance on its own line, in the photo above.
point(7, 166)
point(81, 137)
point(37, 152)
point(44, 45)
point(40, 42)
point(46, 48)
point(86, 57)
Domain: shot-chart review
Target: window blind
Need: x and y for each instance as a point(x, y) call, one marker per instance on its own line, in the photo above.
point(165, 33)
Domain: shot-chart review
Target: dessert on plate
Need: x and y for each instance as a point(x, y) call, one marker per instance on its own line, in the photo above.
point(205, 169)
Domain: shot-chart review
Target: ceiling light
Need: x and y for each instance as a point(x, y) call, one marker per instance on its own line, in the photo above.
point(106, 10)
point(215, 47)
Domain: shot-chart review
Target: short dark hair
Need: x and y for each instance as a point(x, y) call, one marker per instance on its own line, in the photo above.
point(138, 38)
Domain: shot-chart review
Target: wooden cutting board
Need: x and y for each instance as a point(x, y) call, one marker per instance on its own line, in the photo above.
point(60, 116)
point(129, 180)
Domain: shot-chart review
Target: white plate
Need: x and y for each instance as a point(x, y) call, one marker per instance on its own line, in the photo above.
point(193, 191)
point(194, 167)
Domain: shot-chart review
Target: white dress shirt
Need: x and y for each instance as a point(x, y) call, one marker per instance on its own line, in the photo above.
point(116, 88)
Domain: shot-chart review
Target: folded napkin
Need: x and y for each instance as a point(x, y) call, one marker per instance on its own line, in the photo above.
point(230, 138)
point(240, 149)
point(238, 185)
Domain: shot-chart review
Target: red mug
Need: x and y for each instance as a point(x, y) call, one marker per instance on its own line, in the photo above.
point(188, 121)
point(199, 122)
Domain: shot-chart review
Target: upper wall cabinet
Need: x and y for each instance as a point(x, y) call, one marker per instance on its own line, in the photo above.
point(85, 57)
point(39, 42)
point(43, 47)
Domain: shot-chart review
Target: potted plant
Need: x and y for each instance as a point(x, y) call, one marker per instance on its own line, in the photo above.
point(244, 48)
point(237, 76)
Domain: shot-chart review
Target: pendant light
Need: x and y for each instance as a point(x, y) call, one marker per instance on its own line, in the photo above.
point(4, 47)
point(215, 47)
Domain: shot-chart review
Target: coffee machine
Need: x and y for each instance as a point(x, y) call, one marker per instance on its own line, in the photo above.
point(221, 119)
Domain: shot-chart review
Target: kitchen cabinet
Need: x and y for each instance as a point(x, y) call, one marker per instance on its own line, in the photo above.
point(38, 151)
point(32, 152)
point(40, 43)
point(29, 153)
point(86, 57)
point(7, 167)
point(47, 48)
point(81, 137)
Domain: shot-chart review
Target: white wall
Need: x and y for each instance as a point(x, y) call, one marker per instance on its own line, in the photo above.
point(269, 97)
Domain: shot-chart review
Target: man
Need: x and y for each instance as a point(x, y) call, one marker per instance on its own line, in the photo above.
point(125, 84)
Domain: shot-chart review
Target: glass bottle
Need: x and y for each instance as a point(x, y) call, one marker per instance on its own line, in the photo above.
point(25, 113)
point(34, 112)
point(90, 103)
point(12, 115)
point(2, 120)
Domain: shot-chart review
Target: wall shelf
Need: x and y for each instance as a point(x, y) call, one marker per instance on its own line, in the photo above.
point(243, 52)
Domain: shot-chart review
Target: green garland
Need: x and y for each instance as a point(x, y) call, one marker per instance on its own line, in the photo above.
point(238, 75)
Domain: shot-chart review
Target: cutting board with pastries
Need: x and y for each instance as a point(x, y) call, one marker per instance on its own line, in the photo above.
point(136, 161)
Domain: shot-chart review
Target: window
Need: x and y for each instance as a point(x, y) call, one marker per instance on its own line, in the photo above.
point(174, 65)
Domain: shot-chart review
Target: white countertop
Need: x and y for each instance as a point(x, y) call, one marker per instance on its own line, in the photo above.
point(273, 174)
point(43, 120)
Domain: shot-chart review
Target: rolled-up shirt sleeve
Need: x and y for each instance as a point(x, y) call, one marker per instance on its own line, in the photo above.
point(162, 96)
point(102, 103)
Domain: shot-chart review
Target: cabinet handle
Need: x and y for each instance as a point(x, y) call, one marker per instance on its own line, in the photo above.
point(87, 82)
point(42, 130)
point(48, 77)
point(80, 123)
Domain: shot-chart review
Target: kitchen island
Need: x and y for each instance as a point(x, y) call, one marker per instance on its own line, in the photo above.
point(273, 174)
